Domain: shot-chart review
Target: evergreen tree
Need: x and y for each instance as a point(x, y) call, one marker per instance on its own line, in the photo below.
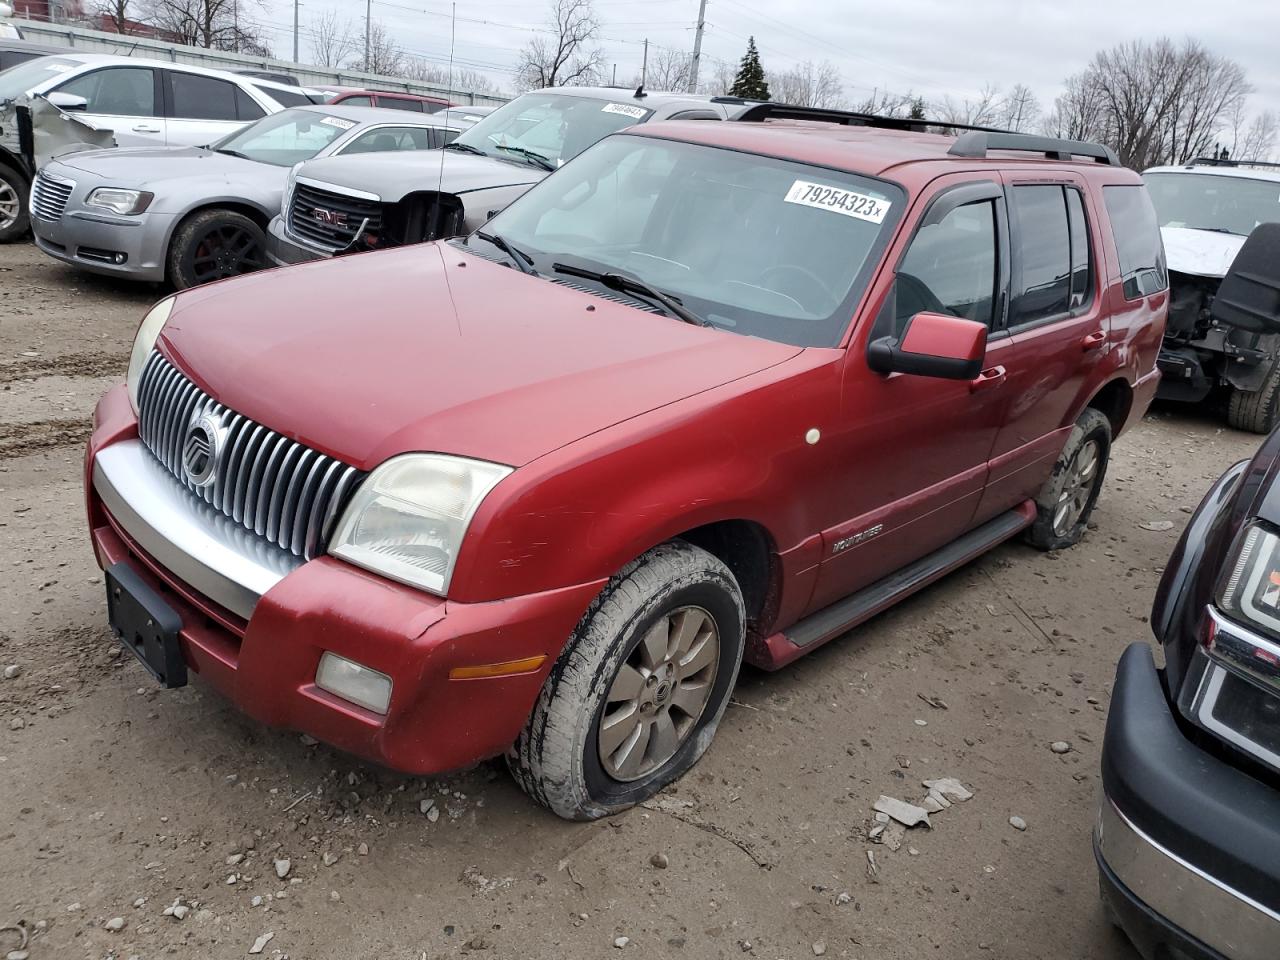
point(917, 109)
point(750, 83)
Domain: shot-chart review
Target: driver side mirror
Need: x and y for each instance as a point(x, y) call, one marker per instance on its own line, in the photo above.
point(932, 345)
point(67, 101)
point(1249, 296)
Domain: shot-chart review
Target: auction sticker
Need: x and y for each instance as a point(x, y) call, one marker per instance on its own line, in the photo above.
point(635, 113)
point(338, 122)
point(834, 199)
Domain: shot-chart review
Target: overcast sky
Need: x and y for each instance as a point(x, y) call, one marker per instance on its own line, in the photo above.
point(933, 47)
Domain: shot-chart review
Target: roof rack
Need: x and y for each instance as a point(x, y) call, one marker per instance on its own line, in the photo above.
point(768, 110)
point(976, 145)
point(1215, 162)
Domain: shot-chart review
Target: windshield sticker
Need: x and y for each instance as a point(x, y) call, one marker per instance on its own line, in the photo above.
point(635, 113)
point(338, 122)
point(847, 202)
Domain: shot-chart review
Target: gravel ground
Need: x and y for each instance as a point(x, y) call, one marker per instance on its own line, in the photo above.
point(119, 800)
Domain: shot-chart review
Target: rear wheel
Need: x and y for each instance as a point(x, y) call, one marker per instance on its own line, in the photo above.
point(13, 210)
point(214, 245)
point(635, 698)
point(1256, 410)
point(1067, 499)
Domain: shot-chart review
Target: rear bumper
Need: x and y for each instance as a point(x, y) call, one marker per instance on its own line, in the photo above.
point(283, 250)
point(93, 242)
point(262, 651)
point(1188, 846)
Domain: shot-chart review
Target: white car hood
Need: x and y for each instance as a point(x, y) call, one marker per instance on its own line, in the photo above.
point(1200, 253)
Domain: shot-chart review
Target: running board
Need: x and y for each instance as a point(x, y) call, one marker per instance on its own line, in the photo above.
point(845, 614)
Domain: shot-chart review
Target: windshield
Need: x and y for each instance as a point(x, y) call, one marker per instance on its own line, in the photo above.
point(17, 80)
point(1205, 201)
point(548, 129)
point(285, 138)
point(764, 247)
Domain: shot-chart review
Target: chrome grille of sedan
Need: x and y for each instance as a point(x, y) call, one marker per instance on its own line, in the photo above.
point(330, 219)
point(49, 196)
point(278, 488)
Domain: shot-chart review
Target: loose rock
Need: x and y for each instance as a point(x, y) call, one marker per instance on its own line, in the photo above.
point(660, 861)
point(12, 671)
point(907, 814)
point(115, 924)
point(820, 948)
point(261, 942)
point(1060, 746)
point(1017, 823)
point(621, 942)
point(282, 868)
point(1157, 525)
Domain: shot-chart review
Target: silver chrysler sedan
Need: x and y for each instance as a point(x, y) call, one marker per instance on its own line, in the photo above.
point(190, 215)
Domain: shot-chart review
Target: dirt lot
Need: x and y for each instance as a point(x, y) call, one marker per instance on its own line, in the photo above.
point(118, 800)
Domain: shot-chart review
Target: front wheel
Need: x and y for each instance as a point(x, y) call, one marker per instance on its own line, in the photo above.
point(13, 212)
point(1255, 410)
point(635, 697)
point(1067, 498)
point(213, 245)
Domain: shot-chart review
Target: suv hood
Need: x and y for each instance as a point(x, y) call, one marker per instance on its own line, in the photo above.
point(1200, 253)
point(395, 174)
point(428, 348)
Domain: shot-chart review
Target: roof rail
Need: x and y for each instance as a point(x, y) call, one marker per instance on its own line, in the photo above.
point(976, 145)
point(1215, 162)
point(769, 110)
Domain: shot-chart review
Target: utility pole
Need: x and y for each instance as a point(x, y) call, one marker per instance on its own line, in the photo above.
point(295, 30)
point(644, 64)
point(615, 74)
point(368, 19)
point(697, 46)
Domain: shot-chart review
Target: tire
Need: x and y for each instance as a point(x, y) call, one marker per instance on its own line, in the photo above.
point(213, 245)
point(1067, 490)
point(1255, 410)
point(560, 757)
point(14, 188)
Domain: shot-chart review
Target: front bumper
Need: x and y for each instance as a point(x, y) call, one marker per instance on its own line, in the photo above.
point(283, 250)
point(1188, 847)
point(255, 625)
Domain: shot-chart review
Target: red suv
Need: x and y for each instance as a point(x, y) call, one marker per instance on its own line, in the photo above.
point(413, 102)
point(712, 391)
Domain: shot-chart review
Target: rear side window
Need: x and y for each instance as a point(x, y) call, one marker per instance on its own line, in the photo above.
point(287, 98)
point(950, 268)
point(116, 91)
point(1137, 236)
point(356, 101)
point(202, 98)
point(446, 136)
point(1042, 253)
point(395, 103)
point(1081, 259)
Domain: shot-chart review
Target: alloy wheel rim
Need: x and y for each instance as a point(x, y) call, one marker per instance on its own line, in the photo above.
point(659, 693)
point(1082, 475)
point(10, 205)
point(226, 252)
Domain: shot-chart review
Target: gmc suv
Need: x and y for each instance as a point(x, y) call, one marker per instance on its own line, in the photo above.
point(712, 391)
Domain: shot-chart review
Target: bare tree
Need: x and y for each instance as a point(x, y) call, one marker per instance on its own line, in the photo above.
point(667, 70)
point(114, 15)
point(718, 79)
point(809, 85)
point(1155, 103)
point(384, 56)
point(1252, 139)
point(982, 111)
point(882, 103)
point(1019, 109)
point(567, 54)
point(460, 78)
point(333, 42)
point(213, 24)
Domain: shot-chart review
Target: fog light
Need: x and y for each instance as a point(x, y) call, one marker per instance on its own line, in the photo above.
point(351, 681)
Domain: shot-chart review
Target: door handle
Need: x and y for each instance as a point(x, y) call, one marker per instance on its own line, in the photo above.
point(1094, 340)
point(991, 377)
point(143, 128)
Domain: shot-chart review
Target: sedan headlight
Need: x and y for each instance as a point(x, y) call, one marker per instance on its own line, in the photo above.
point(408, 519)
point(127, 203)
point(1251, 592)
point(143, 343)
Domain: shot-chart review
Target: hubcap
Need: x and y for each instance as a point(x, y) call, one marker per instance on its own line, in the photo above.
point(659, 693)
point(10, 205)
point(1082, 475)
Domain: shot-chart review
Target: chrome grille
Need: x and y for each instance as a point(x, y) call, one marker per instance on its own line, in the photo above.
point(280, 489)
point(331, 220)
point(49, 196)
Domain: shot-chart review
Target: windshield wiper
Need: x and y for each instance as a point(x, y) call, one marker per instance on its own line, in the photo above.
point(523, 262)
point(465, 148)
point(536, 158)
point(232, 153)
point(1216, 230)
point(625, 284)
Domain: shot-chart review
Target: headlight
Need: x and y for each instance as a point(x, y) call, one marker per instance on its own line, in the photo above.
point(143, 342)
point(1251, 591)
point(124, 202)
point(408, 519)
